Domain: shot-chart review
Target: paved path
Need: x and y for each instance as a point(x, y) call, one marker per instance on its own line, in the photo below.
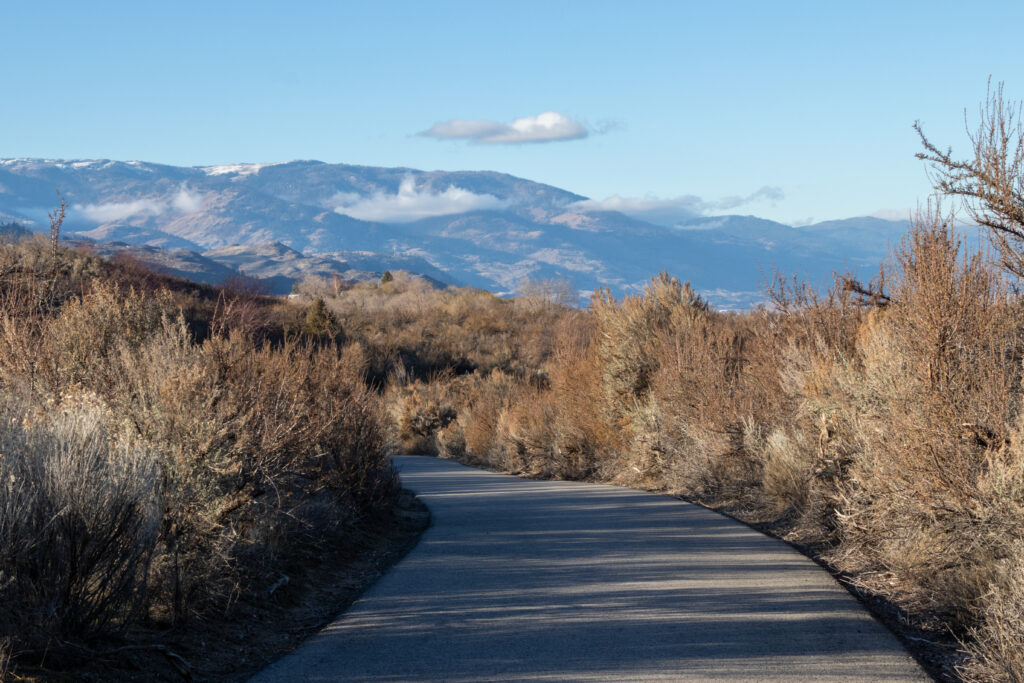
point(556, 581)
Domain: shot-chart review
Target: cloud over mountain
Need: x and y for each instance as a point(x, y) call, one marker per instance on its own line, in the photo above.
point(547, 127)
point(184, 201)
point(672, 210)
point(118, 211)
point(410, 204)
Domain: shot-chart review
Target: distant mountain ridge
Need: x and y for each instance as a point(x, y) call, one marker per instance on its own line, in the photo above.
point(277, 266)
point(481, 228)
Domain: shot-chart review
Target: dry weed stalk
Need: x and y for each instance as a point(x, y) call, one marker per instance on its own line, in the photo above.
point(56, 221)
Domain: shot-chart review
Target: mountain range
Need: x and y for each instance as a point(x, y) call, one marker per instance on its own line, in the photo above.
point(284, 221)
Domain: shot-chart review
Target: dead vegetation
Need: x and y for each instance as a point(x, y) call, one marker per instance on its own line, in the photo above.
point(164, 456)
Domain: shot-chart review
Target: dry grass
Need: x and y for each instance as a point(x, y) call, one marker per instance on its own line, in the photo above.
point(997, 642)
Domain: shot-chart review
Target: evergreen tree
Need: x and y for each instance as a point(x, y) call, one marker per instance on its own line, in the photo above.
point(320, 321)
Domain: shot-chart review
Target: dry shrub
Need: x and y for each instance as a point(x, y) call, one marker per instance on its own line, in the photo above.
point(421, 410)
point(189, 475)
point(431, 331)
point(926, 404)
point(6, 659)
point(628, 346)
point(786, 473)
point(479, 420)
point(252, 437)
point(528, 427)
point(79, 518)
point(679, 382)
point(451, 443)
point(553, 423)
point(997, 643)
point(574, 379)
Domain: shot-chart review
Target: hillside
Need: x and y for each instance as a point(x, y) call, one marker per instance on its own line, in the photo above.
point(485, 229)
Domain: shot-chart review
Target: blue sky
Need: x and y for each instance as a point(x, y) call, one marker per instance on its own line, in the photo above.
point(813, 101)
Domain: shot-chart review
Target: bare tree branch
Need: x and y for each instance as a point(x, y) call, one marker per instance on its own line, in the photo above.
point(991, 184)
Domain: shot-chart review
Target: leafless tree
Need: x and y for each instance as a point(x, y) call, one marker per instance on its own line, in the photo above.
point(991, 184)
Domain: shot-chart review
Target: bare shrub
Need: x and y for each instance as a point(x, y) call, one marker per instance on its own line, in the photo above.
point(991, 184)
point(146, 474)
point(6, 658)
point(79, 516)
point(627, 334)
point(451, 443)
point(312, 287)
point(529, 428)
point(249, 433)
point(479, 419)
point(786, 472)
point(534, 295)
point(421, 410)
point(56, 221)
point(997, 642)
point(927, 404)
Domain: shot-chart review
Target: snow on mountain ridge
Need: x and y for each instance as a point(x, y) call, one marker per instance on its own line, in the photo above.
point(236, 169)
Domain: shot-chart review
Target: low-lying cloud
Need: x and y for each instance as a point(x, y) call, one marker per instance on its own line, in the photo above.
point(410, 204)
point(118, 211)
point(547, 127)
point(184, 201)
point(676, 209)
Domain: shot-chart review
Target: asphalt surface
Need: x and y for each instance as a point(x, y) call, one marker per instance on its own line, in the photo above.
point(561, 581)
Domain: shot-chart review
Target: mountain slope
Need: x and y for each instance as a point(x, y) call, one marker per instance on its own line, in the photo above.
point(485, 229)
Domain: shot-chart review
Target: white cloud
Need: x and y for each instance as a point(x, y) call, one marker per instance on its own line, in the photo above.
point(647, 208)
point(183, 201)
point(186, 201)
point(410, 204)
point(773, 194)
point(668, 211)
point(116, 211)
point(547, 127)
point(893, 214)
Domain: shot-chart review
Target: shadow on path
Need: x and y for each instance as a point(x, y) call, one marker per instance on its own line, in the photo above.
point(526, 580)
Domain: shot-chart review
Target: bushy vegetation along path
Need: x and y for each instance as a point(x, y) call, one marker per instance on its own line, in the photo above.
point(540, 580)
